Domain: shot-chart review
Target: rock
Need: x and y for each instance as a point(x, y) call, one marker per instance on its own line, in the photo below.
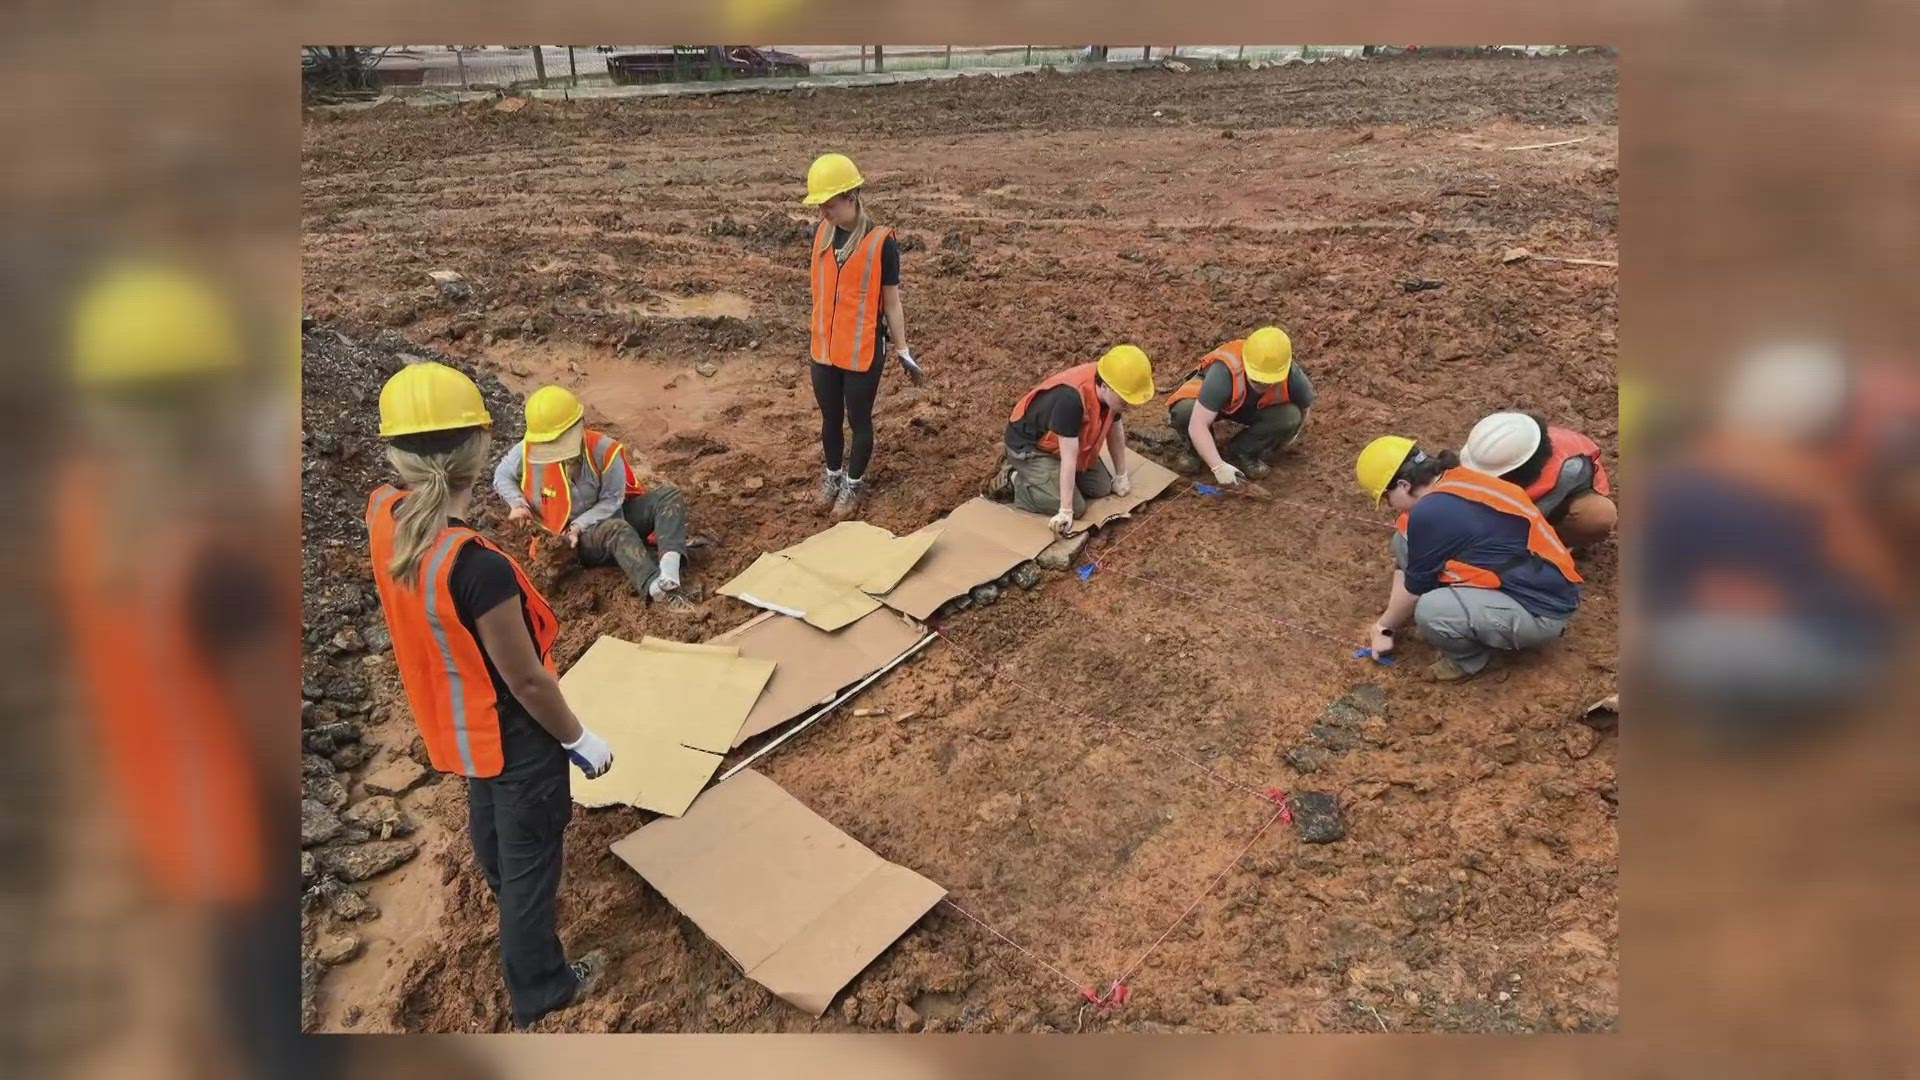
point(309, 868)
point(333, 949)
point(311, 690)
point(707, 368)
point(311, 972)
point(317, 823)
point(350, 905)
point(999, 811)
point(1060, 554)
point(445, 277)
point(1374, 731)
point(348, 758)
point(985, 594)
point(398, 777)
point(905, 1020)
point(333, 734)
point(753, 483)
point(1370, 699)
point(380, 815)
point(850, 1009)
point(417, 750)
point(1338, 739)
point(378, 638)
point(1317, 816)
point(1515, 254)
point(1579, 740)
point(315, 765)
point(1027, 575)
point(363, 861)
point(346, 641)
point(1305, 758)
point(326, 791)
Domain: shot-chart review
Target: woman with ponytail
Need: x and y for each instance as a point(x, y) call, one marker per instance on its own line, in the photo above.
point(473, 641)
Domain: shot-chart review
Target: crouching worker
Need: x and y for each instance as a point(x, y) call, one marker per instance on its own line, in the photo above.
point(1476, 564)
point(1560, 471)
point(578, 484)
point(1052, 462)
point(473, 642)
point(1253, 383)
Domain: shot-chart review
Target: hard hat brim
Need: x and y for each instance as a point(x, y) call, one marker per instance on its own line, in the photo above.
point(1135, 399)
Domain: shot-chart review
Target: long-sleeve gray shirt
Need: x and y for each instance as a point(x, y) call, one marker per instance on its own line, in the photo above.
point(596, 496)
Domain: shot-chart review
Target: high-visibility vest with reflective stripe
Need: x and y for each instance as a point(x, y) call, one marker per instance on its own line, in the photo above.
point(1095, 418)
point(1562, 445)
point(441, 664)
point(1231, 354)
point(846, 300)
point(548, 488)
point(172, 745)
point(1507, 498)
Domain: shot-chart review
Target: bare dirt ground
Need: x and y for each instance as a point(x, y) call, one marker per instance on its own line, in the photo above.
point(614, 246)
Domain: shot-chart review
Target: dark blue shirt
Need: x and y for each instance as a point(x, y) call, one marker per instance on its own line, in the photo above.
point(1443, 527)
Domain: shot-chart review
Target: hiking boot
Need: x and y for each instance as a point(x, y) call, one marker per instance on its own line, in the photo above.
point(1444, 670)
point(1254, 468)
point(853, 495)
point(1000, 487)
point(829, 491)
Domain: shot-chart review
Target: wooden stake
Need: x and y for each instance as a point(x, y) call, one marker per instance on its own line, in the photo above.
point(1544, 145)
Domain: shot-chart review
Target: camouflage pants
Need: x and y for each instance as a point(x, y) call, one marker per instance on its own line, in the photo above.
point(621, 540)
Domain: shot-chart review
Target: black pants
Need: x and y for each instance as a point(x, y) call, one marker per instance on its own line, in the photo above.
point(518, 821)
point(846, 398)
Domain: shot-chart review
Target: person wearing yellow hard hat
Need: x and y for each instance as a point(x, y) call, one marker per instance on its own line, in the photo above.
point(1051, 464)
point(856, 314)
point(1252, 382)
point(579, 485)
point(473, 643)
point(1559, 469)
point(1476, 565)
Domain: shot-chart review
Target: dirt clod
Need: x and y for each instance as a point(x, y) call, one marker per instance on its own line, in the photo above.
point(397, 777)
point(317, 823)
point(1317, 817)
point(362, 861)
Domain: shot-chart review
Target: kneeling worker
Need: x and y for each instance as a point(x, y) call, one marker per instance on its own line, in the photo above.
point(1560, 471)
point(1476, 564)
point(578, 484)
point(1252, 382)
point(1053, 439)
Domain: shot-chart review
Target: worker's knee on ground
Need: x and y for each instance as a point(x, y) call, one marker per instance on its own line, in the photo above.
point(1181, 417)
point(1590, 519)
point(1094, 483)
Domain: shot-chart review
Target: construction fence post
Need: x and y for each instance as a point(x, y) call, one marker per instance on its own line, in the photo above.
point(460, 62)
point(880, 58)
point(540, 65)
point(949, 56)
point(1146, 52)
point(1242, 54)
point(573, 67)
point(1028, 62)
point(863, 59)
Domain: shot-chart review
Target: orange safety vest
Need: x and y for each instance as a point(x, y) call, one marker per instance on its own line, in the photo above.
point(549, 488)
point(1562, 445)
point(1507, 498)
point(173, 746)
point(1230, 354)
point(440, 662)
point(1095, 419)
point(846, 300)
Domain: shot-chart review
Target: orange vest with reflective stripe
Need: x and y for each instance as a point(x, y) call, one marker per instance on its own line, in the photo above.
point(846, 300)
point(1230, 354)
point(1564, 444)
point(1095, 418)
point(441, 664)
point(173, 746)
point(1507, 498)
point(549, 488)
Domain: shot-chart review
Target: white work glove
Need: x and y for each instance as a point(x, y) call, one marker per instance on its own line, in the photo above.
point(591, 753)
point(1123, 485)
point(1226, 475)
point(1061, 522)
point(912, 367)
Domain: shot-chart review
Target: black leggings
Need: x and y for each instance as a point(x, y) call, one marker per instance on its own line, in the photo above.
point(846, 398)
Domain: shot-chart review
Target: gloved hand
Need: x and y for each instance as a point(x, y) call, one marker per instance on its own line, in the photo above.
point(1123, 485)
point(1379, 639)
point(912, 367)
point(1061, 522)
point(591, 753)
point(1226, 475)
point(519, 513)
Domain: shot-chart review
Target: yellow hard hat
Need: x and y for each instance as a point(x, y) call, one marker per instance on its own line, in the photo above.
point(1268, 355)
point(430, 397)
point(1380, 462)
point(1129, 372)
point(551, 410)
point(830, 175)
point(141, 322)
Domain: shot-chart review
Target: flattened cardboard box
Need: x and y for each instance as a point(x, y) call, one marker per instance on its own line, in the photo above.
point(810, 664)
point(777, 583)
point(865, 556)
point(801, 906)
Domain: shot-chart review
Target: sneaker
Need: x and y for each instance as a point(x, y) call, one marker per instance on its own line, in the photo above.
point(1444, 670)
point(853, 494)
point(829, 491)
point(1000, 488)
point(587, 969)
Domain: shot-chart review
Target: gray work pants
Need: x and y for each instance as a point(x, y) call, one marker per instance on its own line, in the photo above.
point(1036, 482)
point(621, 539)
point(1467, 624)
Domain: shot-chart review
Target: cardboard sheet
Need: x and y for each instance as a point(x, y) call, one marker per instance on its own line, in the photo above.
point(669, 711)
point(811, 665)
point(801, 906)
point(868, 557)
point(1149, 480)
point(978, 542)
point(777, 583)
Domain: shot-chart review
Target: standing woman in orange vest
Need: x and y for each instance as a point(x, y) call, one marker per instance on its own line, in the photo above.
point(1477, 567)
point(1559, 469)
point(856, 311)
point(473, 642)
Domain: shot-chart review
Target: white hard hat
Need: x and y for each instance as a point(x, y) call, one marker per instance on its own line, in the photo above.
point(1501, 443)
point(1791, 387)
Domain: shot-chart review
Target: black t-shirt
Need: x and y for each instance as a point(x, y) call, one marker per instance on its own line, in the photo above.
point(889, 275)
point(481, 580)
point(1058, 410)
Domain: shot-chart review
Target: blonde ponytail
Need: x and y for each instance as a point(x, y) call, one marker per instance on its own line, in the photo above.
point(432, 481)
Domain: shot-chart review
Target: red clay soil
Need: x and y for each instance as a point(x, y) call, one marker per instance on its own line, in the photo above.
point(613, 246)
